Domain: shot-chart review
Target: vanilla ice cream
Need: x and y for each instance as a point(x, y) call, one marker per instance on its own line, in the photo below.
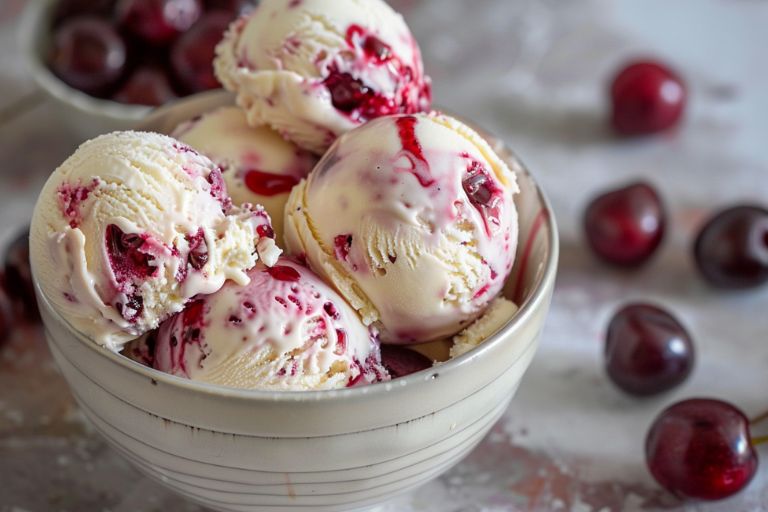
point(259, 166)
point(314, 69)
point(133, 225)
point(286, 330)
point(412, 219)
point(498, 313)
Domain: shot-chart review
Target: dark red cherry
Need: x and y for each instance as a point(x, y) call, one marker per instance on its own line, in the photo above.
point(88, 54)
point(146, 86)
point(483, 192)
point(158, 22)
point(126, 255)
point(400, 361)
point(265, 231)
point(347, 93)
point(647, 351)
point(376, 49)
point(192, 55)
point(235, 7)
point(18, 275)
point(625, 226)
point(701, 448)
point(647, 97)
point(342, 245)
point(6, 313)
point(731, 250)
point(66, 9)
point(198, 250)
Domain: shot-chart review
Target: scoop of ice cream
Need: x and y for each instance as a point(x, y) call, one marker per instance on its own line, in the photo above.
point(259, 166)
point(315, 69)
point(133, 225)
point(498, 313)
point(285, 330)
point(412, 218)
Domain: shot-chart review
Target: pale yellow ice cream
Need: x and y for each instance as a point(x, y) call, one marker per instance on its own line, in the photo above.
point(314, 69)
point(133, 225)
point(285, 330)
point(258, 165)
point(499, 312)
point(412, 218)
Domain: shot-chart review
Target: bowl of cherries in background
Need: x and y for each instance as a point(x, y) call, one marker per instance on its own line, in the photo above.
point(110, 61)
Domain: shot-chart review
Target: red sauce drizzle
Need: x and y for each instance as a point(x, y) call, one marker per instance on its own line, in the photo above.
point(406, 129)
point(269, 184)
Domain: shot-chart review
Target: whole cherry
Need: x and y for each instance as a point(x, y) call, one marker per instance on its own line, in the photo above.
point(146, 86)
point(625, 226)
point(88, 54)
point(158, 22)
point(646, 97)
point(731, 250)
point(647, 350)
point(701, 448)
point(192, 55)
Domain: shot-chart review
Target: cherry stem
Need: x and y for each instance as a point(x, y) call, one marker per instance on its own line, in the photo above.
point(756, 441)
point(759, 418)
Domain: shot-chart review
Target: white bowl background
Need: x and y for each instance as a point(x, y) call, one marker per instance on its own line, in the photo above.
point(323, 451)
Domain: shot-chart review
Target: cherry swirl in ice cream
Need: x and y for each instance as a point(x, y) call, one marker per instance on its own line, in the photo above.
point(286, 330)
point(314, 69)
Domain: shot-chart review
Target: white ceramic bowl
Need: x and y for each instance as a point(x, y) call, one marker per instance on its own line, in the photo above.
point(348, 449)
point(89, 115)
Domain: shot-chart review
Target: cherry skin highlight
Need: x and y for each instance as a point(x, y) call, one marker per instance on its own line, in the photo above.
point(647, 351)
point(701, 448)
point(625, 226)
point(157, 22)
point(731, 250)
point(646, 97)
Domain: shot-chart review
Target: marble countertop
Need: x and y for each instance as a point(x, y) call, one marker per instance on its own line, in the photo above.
point(535, 72)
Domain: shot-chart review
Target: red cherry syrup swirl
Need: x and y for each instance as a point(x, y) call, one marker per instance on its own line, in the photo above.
point(358, 99)
point(406, 129)
point(130, 265)
point(268, 184)
point(71, 197)
point(484, 194)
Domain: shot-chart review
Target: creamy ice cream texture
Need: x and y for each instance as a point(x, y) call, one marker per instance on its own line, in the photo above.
point(285, 330)
point(498, 313)
point(314, 69)
point(259, 166)
point(412, 219)
point(133, 225)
